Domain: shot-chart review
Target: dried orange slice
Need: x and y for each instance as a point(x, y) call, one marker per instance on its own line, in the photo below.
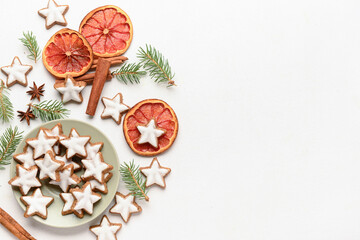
point(67, 53)
point(108, 29)
point(141, 114)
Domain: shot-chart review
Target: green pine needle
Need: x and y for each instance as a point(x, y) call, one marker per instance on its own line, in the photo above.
point(29, 41)
point(134, 180)
point(129, 73)
point(157, 66)
point(50, 110)
point(6, 107)
point(8, 143)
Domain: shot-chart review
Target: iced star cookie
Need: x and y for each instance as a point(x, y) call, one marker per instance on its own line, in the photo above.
point(155, 174)
point(70, 89)
point(125, 206)
point(114, 108)
point(149, 133)
point(85, 198)
point(26, 157)
point(42, 143)
point(92, 149)
point(68, 199)
point(75, 144)
point(54, 14)
point(36, 204)
point(66, 178)
point(16, 72)
point(56, 131)
point(95, 168)
point(101, 187)
point(67, 162)
point(25, 178)
point(106, 230)
point(49, 167)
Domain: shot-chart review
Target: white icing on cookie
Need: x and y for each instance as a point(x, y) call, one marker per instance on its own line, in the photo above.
point(56, 131)
point(125, 206)
point(70, 91)
point(106, 230)
point(37, 203)
point(42, 143)
point(95, 168)
point(26, 157)
point(114, 108)
point(155, 174)
point(67, 178)
point(49, 167)
point(92, 149)
point(16, 72)
point(75, 144)
point(68, 199)
point(54, 14)
point(67, 162)
point(149, 133)
point(98, 186)
point(85, 198)
point(25, 178)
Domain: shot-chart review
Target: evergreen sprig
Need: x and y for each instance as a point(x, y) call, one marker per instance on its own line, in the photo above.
point(8, 143)
point(6, 107)
point(129, 73)
point(134, 180)
point(29, 41)
point(156, 64)
point(50, 110)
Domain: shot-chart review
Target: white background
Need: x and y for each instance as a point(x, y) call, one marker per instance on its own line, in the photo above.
point(268, 100)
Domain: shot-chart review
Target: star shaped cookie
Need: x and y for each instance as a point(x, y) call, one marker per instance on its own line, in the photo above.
point(66, 178)
point(25, 178)
point(54, 14)
point(95, 168)
point(106, 230)
point(92, 149)
point(26, 157)
point(16, 72)
point(68, 199)
point(114, 108)
point(56, 131)
point(75, 144)
point(70, 89)
point(36, 204)
point(150, 133)
point(125, 206)
point(42, 143)
point(67, 162)
point(155, 174)
point(85, 198)
point(49, 167)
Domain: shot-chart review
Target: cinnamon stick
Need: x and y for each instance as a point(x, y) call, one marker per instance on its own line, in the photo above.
point(14, 227)
point(89, 77)
point(102, 69)
point(112, 59)
point(113, 63)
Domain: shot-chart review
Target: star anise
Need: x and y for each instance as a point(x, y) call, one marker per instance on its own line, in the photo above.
point(28, 115)
point(36, 91)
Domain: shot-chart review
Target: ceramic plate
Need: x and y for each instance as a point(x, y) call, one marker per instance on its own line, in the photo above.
point(55, 218)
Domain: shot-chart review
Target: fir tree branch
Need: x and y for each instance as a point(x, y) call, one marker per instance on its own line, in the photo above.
point(134, 180)
point(29, 41)
point(6, 107)
point(157, 66)
point(129, 73)
point(8, 143)
point(49, 110)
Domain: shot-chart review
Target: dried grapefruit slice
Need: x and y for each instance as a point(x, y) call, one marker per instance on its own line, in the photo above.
point(67, 53)
point(141, 114)
point(108, 29)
